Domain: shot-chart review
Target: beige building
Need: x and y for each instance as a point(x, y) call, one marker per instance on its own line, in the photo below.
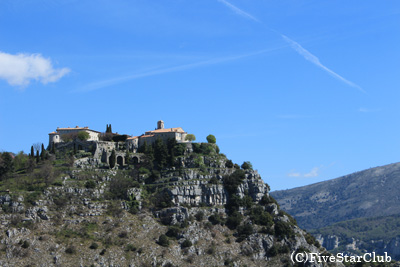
point(132, 143)
point(56, 137)
point(163, 133)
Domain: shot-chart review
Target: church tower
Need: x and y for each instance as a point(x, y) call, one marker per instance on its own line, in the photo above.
point(160, 125)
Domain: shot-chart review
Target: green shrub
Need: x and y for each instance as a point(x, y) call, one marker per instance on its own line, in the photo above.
point(94, 245)
point(70, 250)
point(234, 220)
point(214, 180)
point(83, 135)
point(163, 241)
point(211, 139)
point(90, 184)
point(229, 164)
point(283, 229)
point(186, 244)
point(173, 231)
point(259, 216)
point(247, 165)
point(130, 247)
point(244, 231)
point(216, 219)
point(123, 234)
point(144, 171)
point(119, 186)
point(273, 251)
point(25, 244)
point(199, 216)
point(231, 182)
point(267, 199)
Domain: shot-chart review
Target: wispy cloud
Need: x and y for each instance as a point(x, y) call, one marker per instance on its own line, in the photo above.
point(313, 173)
point(21, 69)
point(116, 80)
point(239, 11)
point(294, 174)
point(315, 60)
point(296, 46)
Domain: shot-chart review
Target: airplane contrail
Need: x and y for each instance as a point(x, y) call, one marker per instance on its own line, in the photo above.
point(294, 45)
point(112, 81)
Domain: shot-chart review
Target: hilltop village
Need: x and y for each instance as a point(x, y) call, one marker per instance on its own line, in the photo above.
point(102, 145)
point(158, 199)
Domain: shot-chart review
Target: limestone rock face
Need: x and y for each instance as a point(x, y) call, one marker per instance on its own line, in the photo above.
point(329, 242)
point(195, 188)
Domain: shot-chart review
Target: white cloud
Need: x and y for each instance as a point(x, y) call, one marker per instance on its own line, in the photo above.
point(313, 173)
point(21, 69)
point(294, 174)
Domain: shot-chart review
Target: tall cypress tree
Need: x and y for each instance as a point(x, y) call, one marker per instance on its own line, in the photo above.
point(32, 153)
point(42, 153)
point(37, 156)
point(112, 159)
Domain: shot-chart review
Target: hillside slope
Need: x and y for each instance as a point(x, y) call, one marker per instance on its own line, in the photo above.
point(182, 205)
point(369, 193)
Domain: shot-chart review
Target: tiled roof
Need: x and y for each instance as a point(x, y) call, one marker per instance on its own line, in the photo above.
point(168, 130)
point(133, 137)
point(76, 128)
point(147, 135)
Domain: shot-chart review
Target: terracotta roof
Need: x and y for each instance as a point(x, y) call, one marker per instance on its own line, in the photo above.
point(147, 135)
point(76, 128)
point(168, 130)
point(133, 137)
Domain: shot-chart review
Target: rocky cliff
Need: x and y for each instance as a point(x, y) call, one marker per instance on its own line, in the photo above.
point(198, 209)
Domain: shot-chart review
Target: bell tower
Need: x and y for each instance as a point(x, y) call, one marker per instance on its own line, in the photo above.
point(160, 125)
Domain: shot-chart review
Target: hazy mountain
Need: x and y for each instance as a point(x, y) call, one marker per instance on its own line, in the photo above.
point(369, 193)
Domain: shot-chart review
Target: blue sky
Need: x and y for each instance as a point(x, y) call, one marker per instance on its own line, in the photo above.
point(305, 90)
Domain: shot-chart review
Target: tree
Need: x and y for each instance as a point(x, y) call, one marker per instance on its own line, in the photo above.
point(32, 155)
point(42, 153)
point(109, 129)
point(20, 160)
point(211, 139)
point(229, 164)
point(160, 153)
point(247, 165)
point(6, 164)
point(112, 159)
point(163, 241)
point(37, 156)
point(83, 135)
point(190, 137)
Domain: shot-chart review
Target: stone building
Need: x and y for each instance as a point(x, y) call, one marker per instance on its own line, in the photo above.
point(56, 137)
point(132, 143)
point(162, 133)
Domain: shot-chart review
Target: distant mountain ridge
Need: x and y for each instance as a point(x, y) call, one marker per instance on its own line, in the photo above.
point(369, 193)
